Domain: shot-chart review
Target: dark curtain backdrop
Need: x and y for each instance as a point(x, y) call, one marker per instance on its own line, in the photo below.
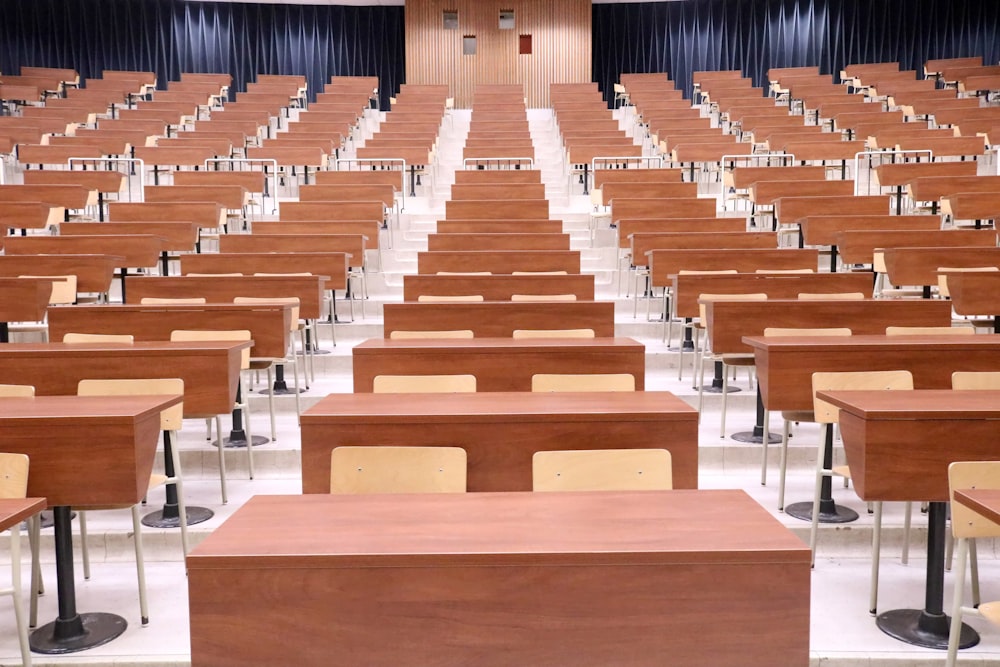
point(755, 35)
point(174, 36)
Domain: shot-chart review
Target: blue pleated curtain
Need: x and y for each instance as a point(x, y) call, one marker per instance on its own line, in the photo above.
point(173, 36)
point(755, 35)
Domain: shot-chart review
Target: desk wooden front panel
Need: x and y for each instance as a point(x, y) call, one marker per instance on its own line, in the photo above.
point(547, 579)
point(93, 272)
point(210, 370)
point(24, 299)
point(333, 265)
point(85, 450)
point(497, 287)
point(497, 241)
point(919, 266)
point(498, 319)
point(499, 364)
point(140, 250)
point(486, 209)
point(501, 431)
point(501, 261)
point(785, 366)
point(269, 325)
point(223, 289)
point(665, 264)
point(899, 444)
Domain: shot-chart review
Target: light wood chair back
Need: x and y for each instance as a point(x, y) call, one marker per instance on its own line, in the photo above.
point(805, 331)
point(978, 380)
point(965, 521)
point(784, 271)
point(718, 272)
point(158, 301)
point(854, 381)
point(929, 331)
point(74, 337)
point(216, 335)
point(462, 298)
point(398, 470)
point(539, 273)
point(582, 382)
point(16, 391)
point(543, 297)
point(553, 333)
point(13, 475)
point(424, 384)
point(449, 333)
point(602, 470)
point(170, 419)
point(464, 273)
point(832, 296)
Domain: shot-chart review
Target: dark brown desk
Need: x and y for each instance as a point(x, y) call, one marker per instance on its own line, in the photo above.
point(93, 272)
point(491, 579)
point(22, 299)
point(498, 287)
point(15, 510)
point(220, 289)
point(84, 451)
point(899, 445)
point(501, 431)
point(501, 261)
point(976, 293)
point(498, 319)
point(499, 364)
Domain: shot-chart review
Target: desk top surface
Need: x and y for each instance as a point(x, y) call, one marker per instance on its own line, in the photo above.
point(466, 529)
point(873, 342)
point(145, 348)
point(499, 407)
point(495, 345)
point(983, 501)
point(16, 411)
point(15, 510)
point(924, 404)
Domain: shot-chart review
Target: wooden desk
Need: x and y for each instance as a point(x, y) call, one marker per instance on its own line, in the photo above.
point(499, 364)
point(641, 244)
point(210, 370)
point(499, 226)
point(404, 567)
point(68, 474)
point(919, 266)
point(93, 272)
point(497, 241)
point(486, 209)
point(22, 299)
point(269, 324)
point(501, 431)
point(662, 208)
point(976, 293)
point(15, 510)
point(858, 246)
point(223, 289)
point(899, 445)
point(665, 264)
point(138, 250)
point(498, 319)
point(502, 261)
point(497, 287)
point(333, 265)
point(785, 365)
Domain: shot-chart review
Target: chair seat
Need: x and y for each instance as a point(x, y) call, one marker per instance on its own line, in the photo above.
point(798, 416)
point(991, 611)
point(842, 471)
point(738, 359)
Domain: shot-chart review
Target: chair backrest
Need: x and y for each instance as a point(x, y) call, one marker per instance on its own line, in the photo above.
point(539, 273)
point(783, 271)
point(543, 297)
point(854, 381)
point(553, 333)
point(965, 521)
point(216, 335)
point(424, 384)
point(602, 470)
point(718, 272)
point(878, 262)
point(74, 337)
point(596, 197)
point(790, 331)
point(831, 296)
point(450, 333)
point(152, 300)
point(170, 419)
point(979, 380)
point(943, 291)
point(397, 470)
point(425, 298)
point(929, 331)
point(209, 275)
point(464, 273)
point(13, 475)
point(583, 382)
point(702, 310)
point(294, 300)
point(16, 391)
point(63, 289)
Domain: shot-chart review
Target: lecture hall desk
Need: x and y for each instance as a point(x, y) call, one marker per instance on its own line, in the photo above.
point(22, 300)
point(899, 445)
point(83, 451)
point(785, 365)
point(499, 364)
point(498, 287)
point(491, 579)
point(501, 431)
point(976, 293)
point(497, 319)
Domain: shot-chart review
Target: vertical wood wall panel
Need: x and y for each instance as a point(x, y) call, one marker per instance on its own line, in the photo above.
point(561, 45)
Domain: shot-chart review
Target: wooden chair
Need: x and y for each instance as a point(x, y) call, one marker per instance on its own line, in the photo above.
point(267, 364)
point(827, 415)
point(728, 359)
point(242, 402)
point(789, 416)
point(158, 301)
point(63, 294)
point(170, 421)
point(583, 382)
point(424, 384)
point(410, 335)
point(929, 331)
point(966, 525)
point(602, 470)
point(74, 337)
point(397, 470)
point(543, 297)
point(831, 296)
point(553, 333)
point(14, 484)
point(978, 380)
point(461, 298)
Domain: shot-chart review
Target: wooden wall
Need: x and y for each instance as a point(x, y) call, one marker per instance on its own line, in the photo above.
point(561, 45)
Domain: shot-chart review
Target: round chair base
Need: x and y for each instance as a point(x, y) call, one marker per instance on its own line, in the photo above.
point(804, 511)
point(917, 627)
point(78, 634)
point(195, 515)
